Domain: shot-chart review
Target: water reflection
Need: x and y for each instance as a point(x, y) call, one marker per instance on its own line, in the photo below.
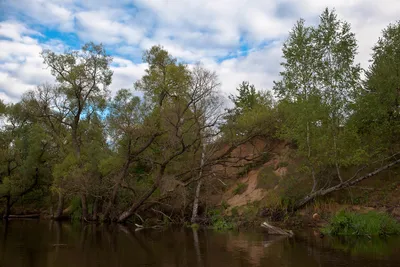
point(34, 243)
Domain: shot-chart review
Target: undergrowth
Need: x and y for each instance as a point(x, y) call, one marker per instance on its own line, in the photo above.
point(373, 223)
point(220, 222)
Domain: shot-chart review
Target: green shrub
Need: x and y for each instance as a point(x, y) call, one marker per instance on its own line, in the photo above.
point(222, 225)
point(76, 209)
point(370, 224)
point(240, 189)
point(220, 222)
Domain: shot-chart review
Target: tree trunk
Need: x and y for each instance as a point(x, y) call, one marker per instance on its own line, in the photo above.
point(127, 214)
point(198, 188)
point(342, 185)
point(130, 156)
point(95, 208)
point(196, 203)
point(309, 159)
point(113, 198)
point(336, 159)
point(197, 247)
point(85, 212)
point(60, 206)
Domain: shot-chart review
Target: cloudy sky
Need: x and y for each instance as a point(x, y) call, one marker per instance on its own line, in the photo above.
point(240, 40)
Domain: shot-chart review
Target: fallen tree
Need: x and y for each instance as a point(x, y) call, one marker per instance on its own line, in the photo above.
point(355, 179)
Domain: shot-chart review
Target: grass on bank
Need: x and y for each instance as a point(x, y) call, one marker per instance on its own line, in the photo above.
point(346, 223)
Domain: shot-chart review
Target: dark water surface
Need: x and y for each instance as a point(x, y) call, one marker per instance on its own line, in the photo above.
point(35, 243)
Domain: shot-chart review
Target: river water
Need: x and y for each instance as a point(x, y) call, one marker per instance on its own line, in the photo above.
point(51, 244)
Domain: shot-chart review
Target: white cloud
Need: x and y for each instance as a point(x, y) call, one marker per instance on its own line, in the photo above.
point(21, 67)
point(51, 13)
point(125, 74)
point(192, 30)
point(259, 67)
point(107, 27)
point(13, 30)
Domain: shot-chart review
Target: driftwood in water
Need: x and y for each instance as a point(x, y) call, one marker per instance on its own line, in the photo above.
point(273, 230)
point(27, 216)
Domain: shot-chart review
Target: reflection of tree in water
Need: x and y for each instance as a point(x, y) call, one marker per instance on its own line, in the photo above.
point(359, 251)
point(248, 249)
point(91, 245)
point(377, 246)
point(137, 241)
point(3, 241)
point(197, 247)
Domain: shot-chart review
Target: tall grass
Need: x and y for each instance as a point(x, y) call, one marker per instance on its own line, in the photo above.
point(373, 223)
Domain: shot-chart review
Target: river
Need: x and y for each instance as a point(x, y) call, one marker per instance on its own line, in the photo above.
point(50, 244)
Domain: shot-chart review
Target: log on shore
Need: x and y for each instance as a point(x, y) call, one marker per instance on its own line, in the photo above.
point(273, 230)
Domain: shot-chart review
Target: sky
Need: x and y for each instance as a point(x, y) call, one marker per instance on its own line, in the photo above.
point(240, 40)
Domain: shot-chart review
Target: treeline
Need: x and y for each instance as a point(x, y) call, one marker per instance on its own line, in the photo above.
point(69, 144)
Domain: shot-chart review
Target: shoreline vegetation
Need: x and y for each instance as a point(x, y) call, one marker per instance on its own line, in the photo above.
point(172, 151)
point(372, 223)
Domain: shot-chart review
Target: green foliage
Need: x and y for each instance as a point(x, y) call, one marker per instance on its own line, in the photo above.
point(377, 107)
point(251, 112)
point(319, 84)
point(72, 138)
point(220, 222)
point(223, 225)
point(224, 205)
point(370, 224)
point(364, 246)
point(240, 189)
point(247, 98)
point(76, 209)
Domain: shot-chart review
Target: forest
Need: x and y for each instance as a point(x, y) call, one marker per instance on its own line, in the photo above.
point(75, 151)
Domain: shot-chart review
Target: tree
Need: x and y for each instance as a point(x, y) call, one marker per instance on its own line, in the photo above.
point(246, 99)
point(377, 106)
point(299, 94)
point(131, 133)
point(25, 156)
point(252, 110)
point(338, 80)
point(177, 97)
point(320, 84)
point(83, 77)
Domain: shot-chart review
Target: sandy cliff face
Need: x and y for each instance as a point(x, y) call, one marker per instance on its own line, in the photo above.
point(248, 165)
